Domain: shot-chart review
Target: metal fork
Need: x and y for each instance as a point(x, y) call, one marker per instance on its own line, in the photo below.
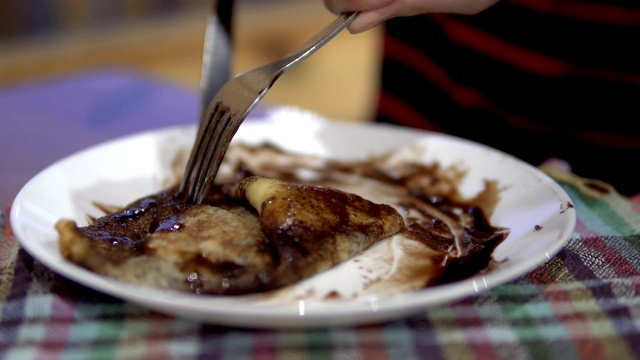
point(230, 107)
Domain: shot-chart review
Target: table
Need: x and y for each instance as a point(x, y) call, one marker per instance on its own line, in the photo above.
point(583, 303)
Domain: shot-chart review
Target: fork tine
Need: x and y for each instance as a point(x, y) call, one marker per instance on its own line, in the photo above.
point(213, 139)
point(194, 167)
point(220, 133)
point(200, 156)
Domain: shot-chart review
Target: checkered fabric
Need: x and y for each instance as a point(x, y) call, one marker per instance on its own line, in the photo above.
point(582, 304)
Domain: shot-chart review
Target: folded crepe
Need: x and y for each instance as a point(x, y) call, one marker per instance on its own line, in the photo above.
point(267, 234)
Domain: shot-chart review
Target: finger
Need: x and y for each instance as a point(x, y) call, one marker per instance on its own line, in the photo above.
point(415, 7)
point(370, 19)
point(365, 21)
point(341, 6)
point(399, 8)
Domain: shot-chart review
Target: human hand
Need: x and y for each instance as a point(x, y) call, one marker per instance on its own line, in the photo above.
point(373, 12)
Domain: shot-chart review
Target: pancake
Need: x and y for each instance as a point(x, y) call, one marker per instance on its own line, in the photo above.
point(275, 219)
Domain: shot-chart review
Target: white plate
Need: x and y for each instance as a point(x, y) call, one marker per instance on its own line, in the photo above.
point(531, 205)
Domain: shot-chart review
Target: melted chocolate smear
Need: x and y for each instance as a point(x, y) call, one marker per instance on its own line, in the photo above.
point(162, 212)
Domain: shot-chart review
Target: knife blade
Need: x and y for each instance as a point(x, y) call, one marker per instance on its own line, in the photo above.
point(217, 52)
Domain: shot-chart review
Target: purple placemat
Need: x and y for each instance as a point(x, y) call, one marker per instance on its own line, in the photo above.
point(47, 120)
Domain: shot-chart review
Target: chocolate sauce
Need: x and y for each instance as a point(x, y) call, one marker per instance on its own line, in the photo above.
point(454, 231)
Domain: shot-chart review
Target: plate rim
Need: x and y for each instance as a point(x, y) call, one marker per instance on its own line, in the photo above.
point(285, 318)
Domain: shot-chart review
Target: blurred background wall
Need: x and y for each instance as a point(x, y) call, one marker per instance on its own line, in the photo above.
point(40, 39)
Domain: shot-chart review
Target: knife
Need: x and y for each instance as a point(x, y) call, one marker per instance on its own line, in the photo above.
point(217, 51)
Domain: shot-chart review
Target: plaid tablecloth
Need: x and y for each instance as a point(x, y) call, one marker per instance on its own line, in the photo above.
point(583, 303)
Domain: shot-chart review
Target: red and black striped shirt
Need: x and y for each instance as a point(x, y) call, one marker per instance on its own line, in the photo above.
point(534, 78)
